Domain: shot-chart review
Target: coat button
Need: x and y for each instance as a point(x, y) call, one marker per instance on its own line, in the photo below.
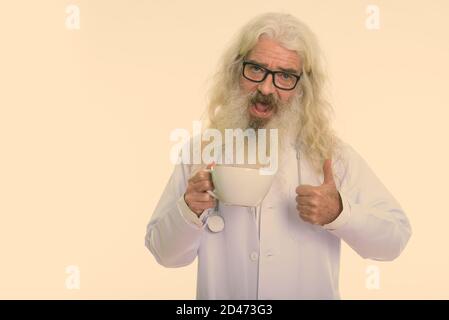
point(254, 256)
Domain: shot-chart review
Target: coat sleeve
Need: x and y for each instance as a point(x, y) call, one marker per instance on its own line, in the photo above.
point(170, 236)
point(375, 225)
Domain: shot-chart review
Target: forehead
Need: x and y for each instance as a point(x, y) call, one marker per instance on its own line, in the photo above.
point(274, 55)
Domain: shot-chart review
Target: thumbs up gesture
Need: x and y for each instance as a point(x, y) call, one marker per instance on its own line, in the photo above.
point(319, 204)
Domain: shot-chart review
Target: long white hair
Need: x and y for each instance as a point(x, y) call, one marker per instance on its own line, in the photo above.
point(314, 135)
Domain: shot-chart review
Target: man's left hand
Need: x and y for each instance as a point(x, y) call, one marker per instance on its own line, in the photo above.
point(319, 204)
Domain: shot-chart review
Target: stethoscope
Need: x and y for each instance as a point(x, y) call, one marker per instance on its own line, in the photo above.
point(216, 223)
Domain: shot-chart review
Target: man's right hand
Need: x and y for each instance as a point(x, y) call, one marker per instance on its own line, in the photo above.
point(196, 195)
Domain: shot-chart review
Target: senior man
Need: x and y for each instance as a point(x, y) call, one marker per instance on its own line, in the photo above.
point(288, 247)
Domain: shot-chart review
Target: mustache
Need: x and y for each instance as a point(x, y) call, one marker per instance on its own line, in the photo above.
point(269, 100)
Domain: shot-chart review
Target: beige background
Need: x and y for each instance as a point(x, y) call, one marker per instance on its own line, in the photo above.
point(85, 118)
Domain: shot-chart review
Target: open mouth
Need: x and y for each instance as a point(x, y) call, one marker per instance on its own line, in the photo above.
point(261, 110)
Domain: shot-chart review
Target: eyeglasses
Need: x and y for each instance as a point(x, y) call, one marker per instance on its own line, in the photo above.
point(281, 79)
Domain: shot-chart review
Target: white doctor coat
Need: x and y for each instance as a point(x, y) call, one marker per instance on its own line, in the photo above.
point(271, 253)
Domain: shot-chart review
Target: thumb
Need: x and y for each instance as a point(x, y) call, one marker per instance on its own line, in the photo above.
point(327, 172)
point(210, 165)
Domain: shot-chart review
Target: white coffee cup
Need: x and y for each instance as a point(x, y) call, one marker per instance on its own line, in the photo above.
point(239, 186)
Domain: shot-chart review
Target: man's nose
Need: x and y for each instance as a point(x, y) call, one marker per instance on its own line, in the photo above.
point(266, 87)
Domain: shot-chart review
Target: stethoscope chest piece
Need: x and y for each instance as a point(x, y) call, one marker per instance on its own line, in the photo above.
point(215, 223)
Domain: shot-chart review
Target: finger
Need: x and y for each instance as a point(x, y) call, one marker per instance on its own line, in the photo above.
point(306, 190)
point(203, 185)
point(327, 172)
point(194, 196)
point(307, 201)
point(198, 206)
point(305, 207)
point(306, 210)
point(200, 176)
point(309, 219)
point(306, 218)
point(203, 205)
point(200, 197)
point(210, 165)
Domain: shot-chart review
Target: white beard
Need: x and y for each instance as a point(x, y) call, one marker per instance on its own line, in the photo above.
point(235, 114)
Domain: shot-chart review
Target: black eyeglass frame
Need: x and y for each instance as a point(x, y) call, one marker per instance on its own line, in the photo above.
point(273, 74)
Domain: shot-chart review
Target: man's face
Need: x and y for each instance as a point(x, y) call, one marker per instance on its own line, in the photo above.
point(266, 97)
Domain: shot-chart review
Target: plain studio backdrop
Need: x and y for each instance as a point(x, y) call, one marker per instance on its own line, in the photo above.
point(86, 114)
